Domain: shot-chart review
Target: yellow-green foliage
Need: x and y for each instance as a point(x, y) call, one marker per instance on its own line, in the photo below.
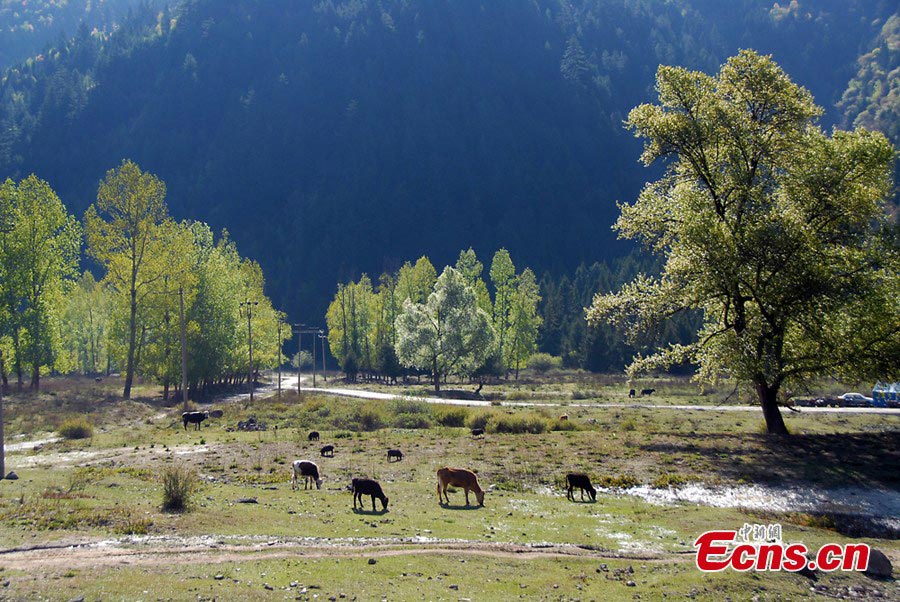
point(76, 428)
point(179, 484)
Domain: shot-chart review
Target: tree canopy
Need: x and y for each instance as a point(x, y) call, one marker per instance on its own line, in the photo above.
point(775, 230)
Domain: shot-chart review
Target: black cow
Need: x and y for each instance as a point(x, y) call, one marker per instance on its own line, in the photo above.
point(313, 436)
point(327, 450)
point(583, 482)
point(477, 432)
point(363, 487)
point(631, 393)
point(395, 453)
point(194, 418)
point(647, 392)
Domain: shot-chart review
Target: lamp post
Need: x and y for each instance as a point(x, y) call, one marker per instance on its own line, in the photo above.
point(322, 338)
point(249, 305)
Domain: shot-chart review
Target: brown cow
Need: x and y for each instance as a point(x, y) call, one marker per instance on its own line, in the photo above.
point(458, 477)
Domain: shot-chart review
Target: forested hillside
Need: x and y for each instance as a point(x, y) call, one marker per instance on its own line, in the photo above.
point(28, 26)
point(336, 138)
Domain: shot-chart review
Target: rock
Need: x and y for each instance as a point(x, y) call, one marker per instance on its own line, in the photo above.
point(630, 583)
point(454, 587)
point(295, 583)
point(268, 587)
point(12, 476)
point(879, 565)
point(247, 500)
point(219, 577)
point(372, 561)
point(77, 599)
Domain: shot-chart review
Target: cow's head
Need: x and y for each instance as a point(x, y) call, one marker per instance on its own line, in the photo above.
point(319, 483)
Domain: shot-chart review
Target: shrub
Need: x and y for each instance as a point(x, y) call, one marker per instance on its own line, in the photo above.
point(179, 485)
point(369, 417)
point(563, 425)
point(623, 481)
point(518, 423)
point(451, 416)
point(412, 421)
point(76, 428)
point(670, 479)
point(479, 420)
point(544, 362)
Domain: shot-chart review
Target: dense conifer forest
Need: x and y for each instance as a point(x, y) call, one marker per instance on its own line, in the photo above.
point(333, 139)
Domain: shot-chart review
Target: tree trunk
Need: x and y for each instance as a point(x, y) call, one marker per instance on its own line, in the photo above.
point(132, 340)
point(768, 398)
point(437, 378)
point(36, 377)
point(17, 364)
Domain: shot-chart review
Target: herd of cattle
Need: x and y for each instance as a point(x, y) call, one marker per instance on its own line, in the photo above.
point(447, 477)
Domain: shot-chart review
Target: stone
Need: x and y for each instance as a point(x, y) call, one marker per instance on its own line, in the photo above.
point(12, 476)
point(630, 583)
point(372, 561)
point(77, 599)
point(247, 500)
point(219, 577)
point(879, 565)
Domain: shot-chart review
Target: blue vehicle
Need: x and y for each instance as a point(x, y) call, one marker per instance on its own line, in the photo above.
point(885, 395)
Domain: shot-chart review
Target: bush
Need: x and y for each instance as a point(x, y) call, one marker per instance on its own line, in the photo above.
point(369, 417)
point(179, 485)
point(480, 420)
point(451, 416)
point(623, 481)
point(563, 425)
point(76, 428)
point(544, 362)
point(529, 422)
point(412, 421)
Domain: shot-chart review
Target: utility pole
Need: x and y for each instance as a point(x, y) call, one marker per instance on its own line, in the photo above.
point(322, 337)
point(278, 350)
point(184, 373)
point(299, 332)
point(249, 305)
point(302, 330)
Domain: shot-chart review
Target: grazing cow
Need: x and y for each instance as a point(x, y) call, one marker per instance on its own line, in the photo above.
point(308, 470)
point(631, 393)
point(458, 477)
point(327, 451)
point(361, 487)
point(313, 436)
point(477, 432)
point(194, 418)
point(647, 392)
point(583, 482)
point(395, 453)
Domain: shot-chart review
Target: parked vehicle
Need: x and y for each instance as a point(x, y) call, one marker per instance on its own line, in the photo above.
point(855, 400)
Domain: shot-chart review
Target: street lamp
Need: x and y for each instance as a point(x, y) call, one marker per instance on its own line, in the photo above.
point(249, 305)
point(322, 338)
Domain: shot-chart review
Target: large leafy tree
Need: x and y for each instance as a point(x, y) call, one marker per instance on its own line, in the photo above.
point(448, 333)
point(39, 253)
point(772, 228)
point(122, 228)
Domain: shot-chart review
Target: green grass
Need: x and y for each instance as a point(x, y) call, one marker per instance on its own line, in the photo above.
point(119, 492)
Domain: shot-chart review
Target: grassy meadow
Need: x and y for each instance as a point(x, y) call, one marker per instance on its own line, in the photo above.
point(247, 535)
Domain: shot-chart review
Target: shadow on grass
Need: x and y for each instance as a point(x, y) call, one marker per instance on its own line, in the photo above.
point(446, 506)
point(828, 460)
point(370, 512)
